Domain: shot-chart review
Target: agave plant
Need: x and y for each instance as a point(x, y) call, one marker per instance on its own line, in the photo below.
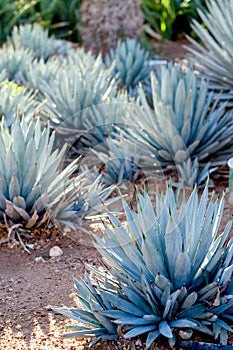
point(39, 72)
point(104, 120)
point(83, 59)
point(216, 57)
point(131, 64)
point(36, 39)
point(187, 121)
point(170, 271)
point(16, 99)
point(14, 61)
point(98, 325)
point(124, 160)
point(34, 189)
point(72, 95)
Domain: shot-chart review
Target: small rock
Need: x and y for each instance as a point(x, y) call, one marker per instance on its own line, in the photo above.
point(39, 258)
point(55, 252)
point(138, 342)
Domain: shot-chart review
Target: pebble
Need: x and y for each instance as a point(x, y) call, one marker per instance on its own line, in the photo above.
point(39, 258)
point(55, 252)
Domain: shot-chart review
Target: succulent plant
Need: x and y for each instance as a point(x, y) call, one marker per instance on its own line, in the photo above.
point(187, 121)
point(84, 59)
point(170, 271)
point(38, 72)
point(36, 39)
point(123, 160)
point(34, 189)
point(131, 64)
point(98, 325)
point(73, 93)
point(104, 120)
point(18, 100)
point(14, 61)
point(215, 59)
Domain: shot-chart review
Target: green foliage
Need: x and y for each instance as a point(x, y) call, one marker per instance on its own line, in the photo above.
point(63, 18)
point(131, 64)
point(13, 12)
point(216, 57)
point(186, 123)
point(60, 17)
point(16, 99)
point(170, 17)
point(170, 272)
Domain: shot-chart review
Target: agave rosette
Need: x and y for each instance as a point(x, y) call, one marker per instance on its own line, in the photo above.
point(34, 189)
point(131, 64)
point(186, 122)
point(40, 71)
point(18, 100)
point(14, 61)
point(170, 272)
point(36, 39)
point(73, 93)
point(123, 160)
point(215, 58)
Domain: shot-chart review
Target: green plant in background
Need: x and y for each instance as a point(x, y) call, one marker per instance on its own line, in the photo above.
point(13, 12)
point(170, 17)
point(186, 123)
point(216, 57)
point(65, 16)
point(60, 17)
point(170, 273)
point(16, 100)
point(131, 64)
point(14, 61)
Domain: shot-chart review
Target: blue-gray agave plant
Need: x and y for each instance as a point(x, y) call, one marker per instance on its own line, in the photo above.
point(124, 160)
point(34, 189)
point(97, 325)
point(131, 64)
point(18, 100)
point(38, 72)
point(14, 61)
point(76, 89)
point(186, 122)
point(215, 58)
point(170, 272)
point(36, 39)
point(104, 120)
